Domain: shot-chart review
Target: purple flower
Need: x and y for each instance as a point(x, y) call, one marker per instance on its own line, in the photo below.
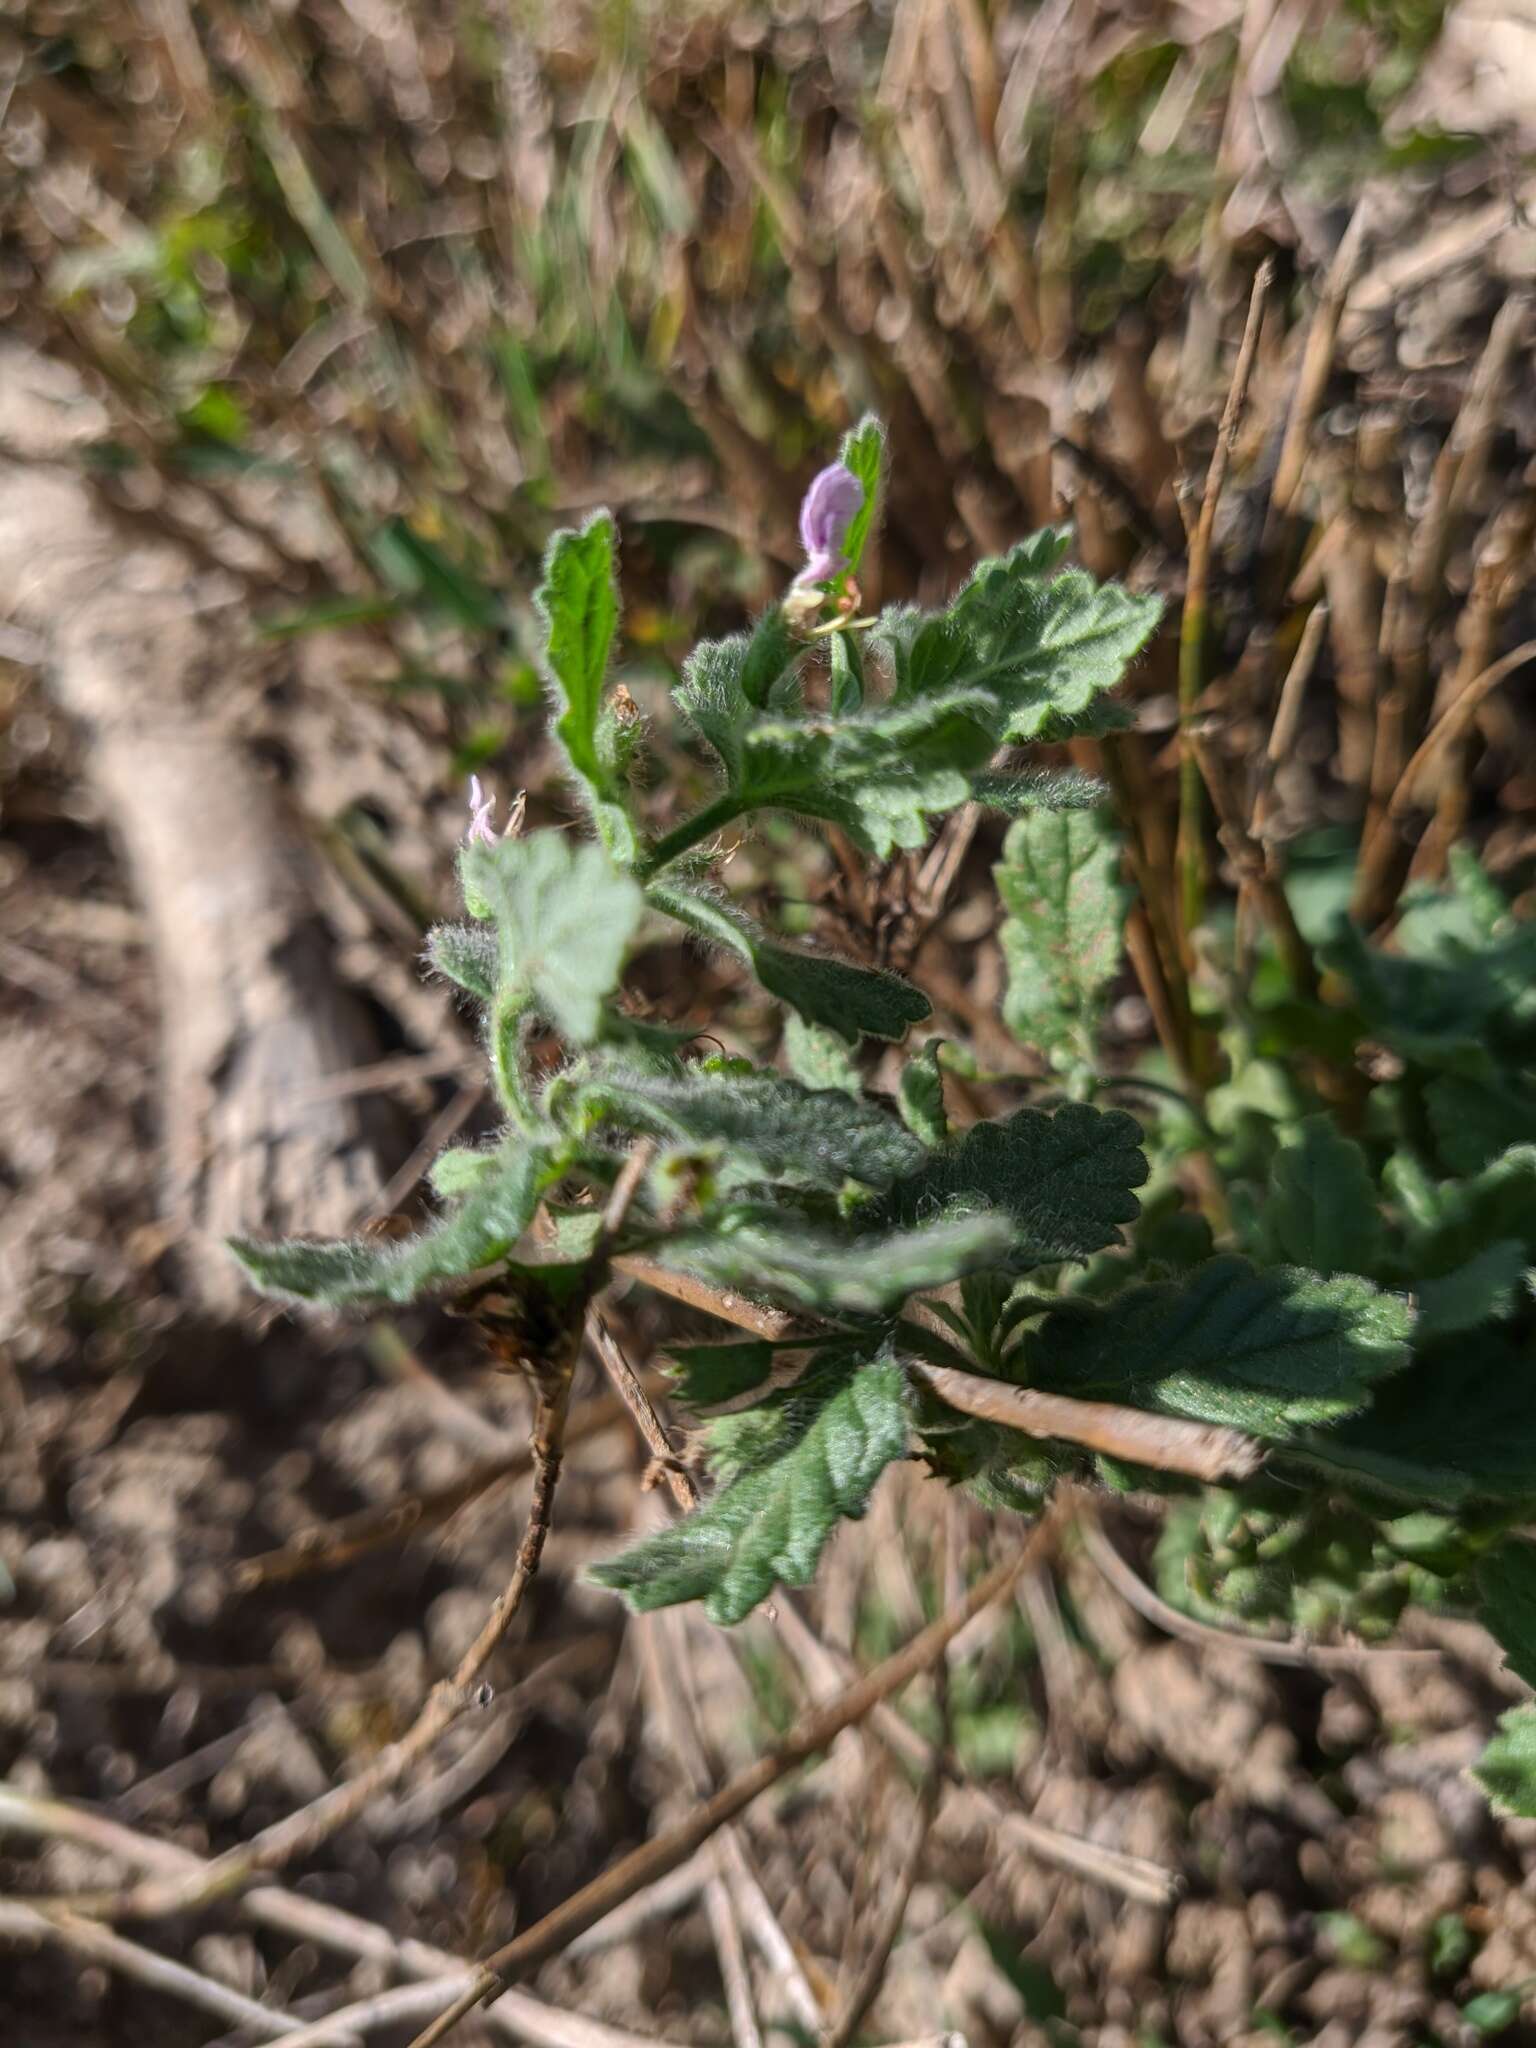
point(829, 505)
point(480, 808)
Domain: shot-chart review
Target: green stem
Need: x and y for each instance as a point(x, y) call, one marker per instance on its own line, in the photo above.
point(505, 1064)
point(701, 825)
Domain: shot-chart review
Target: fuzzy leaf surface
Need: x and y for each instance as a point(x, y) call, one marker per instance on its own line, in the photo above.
point(762, 1251)
point(1484, 1288)
point(762, 1121)
point(579, 604)
point(880, 773)
point(1041, 646)
point(920, 1095)
point(353, 1272)
point(1059, 880)
point(863, 452)
point(815, 1456)
point(1460, 981)
point(467, 954)
point(1321, 1208)
point(1459, 1426)
point(818, 1058)
point(564, 918)
point(1064, 1178)
point(1267, 1352)
point(823, 990)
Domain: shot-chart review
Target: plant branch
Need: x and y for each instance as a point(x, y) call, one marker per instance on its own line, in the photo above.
point(327, 1546)
point(813, 1732)
point(95, 1944)
point(724, 810)
point(1192, 624)
point(1166, 1443)
point(638, 1402)
point(524, 2018)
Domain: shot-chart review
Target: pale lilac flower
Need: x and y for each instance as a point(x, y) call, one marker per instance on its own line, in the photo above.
point(482, 809)
point(828, 508)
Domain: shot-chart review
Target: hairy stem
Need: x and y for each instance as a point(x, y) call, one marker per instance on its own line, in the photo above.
point(725, 808)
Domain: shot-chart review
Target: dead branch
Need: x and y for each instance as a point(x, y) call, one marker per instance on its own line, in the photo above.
point(1167, 1443)
point(813, 1732)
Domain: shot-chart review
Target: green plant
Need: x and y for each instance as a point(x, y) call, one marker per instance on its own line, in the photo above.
point(1338, 1343)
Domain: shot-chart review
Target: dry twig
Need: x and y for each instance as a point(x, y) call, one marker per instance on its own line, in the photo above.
point(1192, 624)
point(813, 1732)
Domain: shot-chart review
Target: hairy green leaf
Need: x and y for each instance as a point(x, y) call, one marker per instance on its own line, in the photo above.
point(881, 773)
point(1506, 1588)
point(709, 1373)
point(1059, 881)
point(1065, 1179)
point(834, 993)
point(863, 452)
point(351, 1272)
point(467, 954)
point(1459, 1426)
point(1460, 982)
point(1506, 1769)
point(1475, 1118)
point(1321, 1209)
point(1042, 647)
point(1267, 1352)
point(564, 918)
point(1038, 789)
point(1485, 1287)
point(819, 1058)
point(579, 605)
point(920, 1095)
point(766, 1252)
point(1450, 1222)
point(762, 1123)
point(828, 1440)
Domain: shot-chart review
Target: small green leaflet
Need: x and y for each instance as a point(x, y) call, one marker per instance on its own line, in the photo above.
point(1059, 882)
point(833, 993)
point(1459, 1426)
point(1451, 1221)
point(1065, 1179)
point(1506, 1770)
point(920, 1095)
point(1485, 1288)
point(881, 773)
point(709, 1373)
point(1042, 647)
point(763, 1123)
point(775, 1255)
point(467, 954)
point(579, 605)
point(1475, 1118)
point(816, 1452)
point(819, 1058)
point(1506, 1587)
point(1321, 1208)
point(564, 918)
point(351, 1272)
point(1459, 985)
point(1267, 1352)
point(727, 683)
point(863, 451)
point(1038, 789)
